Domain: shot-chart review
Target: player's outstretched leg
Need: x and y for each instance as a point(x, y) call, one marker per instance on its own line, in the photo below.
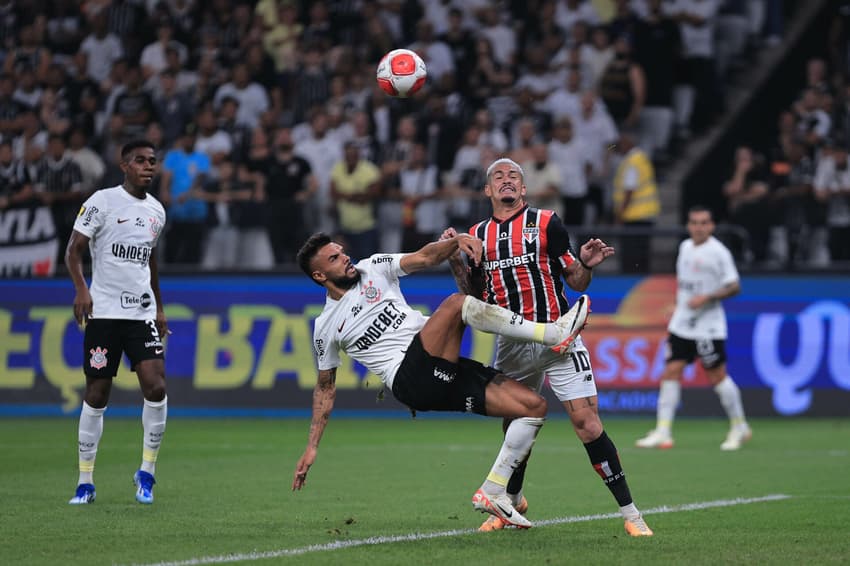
point(559, 335)
point(144, 486)
point(84, 495)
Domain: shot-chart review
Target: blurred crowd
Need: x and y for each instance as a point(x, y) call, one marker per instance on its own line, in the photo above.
point(270, 124)
point(793, 196)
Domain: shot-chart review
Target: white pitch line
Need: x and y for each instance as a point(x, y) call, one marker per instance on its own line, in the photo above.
point(340, 544)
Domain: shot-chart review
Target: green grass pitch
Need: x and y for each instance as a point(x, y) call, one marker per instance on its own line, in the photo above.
point(224, 495)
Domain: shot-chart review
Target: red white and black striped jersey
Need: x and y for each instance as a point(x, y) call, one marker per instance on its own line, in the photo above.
point(524, 257)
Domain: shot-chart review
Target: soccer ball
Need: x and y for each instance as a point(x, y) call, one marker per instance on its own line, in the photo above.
point(401, 73)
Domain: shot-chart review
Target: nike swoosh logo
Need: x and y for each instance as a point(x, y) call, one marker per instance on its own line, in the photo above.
point(122, 221)
point(340, 326)
point(503, 510)
point(158, 351)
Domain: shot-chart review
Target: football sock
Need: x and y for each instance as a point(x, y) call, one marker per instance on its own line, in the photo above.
point(154, 414)
point(730, 398)
point(496, 320)
point(669, 394)
point(629, 511)
point(88, 437)
point(519, 439)
point(514, 487)
point(606, 462)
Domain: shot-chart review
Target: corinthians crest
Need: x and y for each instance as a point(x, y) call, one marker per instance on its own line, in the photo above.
point(98, 357)
point(372, 293)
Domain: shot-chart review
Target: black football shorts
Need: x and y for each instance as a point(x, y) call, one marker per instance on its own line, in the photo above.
point(107, 339)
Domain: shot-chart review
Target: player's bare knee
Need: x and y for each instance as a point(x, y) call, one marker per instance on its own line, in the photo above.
point(536, 406)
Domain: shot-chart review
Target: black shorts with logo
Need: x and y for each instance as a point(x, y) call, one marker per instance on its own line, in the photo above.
point(427, 383)
point(106, 339)
point(711, 353)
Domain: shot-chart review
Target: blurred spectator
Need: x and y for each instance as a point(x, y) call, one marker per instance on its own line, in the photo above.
point(252, 97)
point(424, 210)
point(153, 59)
point(526, 138)
point(569, 154)
point(564, 102)
point(185, 80)
point(596, 131)
point(173, 108)
point(10, 110)
point(27, 93)
point(813, 123)
point(65, 28)
point(282, 37)
point(697, 97)
point(355, 185)
point(15, 185)
point(501, 36)
point(100, 48)
point(490, 135)
point(542, 180)
point(793, 205)
point(440, 132)
point(184, 171)
point(133, 108)
point(746, 196)
point(32, 136)
point(238, 238)
point(54, 113)
point(568, 12)
point(658, 46)
point(636, 203)
point(436, 54)
point(58, 184)
point(290, 183)
point(832, 187)
point(598, 54)
point(322, 152)
point(622, 86)
point(312, 82)
point(461, 42)
point(484, 74)
point(537, 77)
point(212, 140)
point(92, 167)
point(30, 53)
point(396, 157)
point(524, 110)
point(625, 20)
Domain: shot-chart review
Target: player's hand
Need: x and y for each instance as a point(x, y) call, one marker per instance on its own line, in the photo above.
point(698, 301)
point(161, 324)
point(595, 251)
point(302, 467)
point(83, 306)
point(448, 234)
point(471, 246)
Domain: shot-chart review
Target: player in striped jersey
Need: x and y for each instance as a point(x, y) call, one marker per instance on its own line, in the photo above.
point(527, 258)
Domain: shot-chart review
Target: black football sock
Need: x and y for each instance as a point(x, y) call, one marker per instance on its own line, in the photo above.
point(606, 462)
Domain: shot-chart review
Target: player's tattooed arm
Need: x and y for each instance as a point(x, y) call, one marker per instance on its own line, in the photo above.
point(324, 395)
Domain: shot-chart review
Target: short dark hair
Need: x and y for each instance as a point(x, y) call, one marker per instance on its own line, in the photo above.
point(309, 250)
point(135, 144)
point(701, 208)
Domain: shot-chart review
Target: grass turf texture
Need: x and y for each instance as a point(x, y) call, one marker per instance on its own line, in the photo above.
point(224, 488)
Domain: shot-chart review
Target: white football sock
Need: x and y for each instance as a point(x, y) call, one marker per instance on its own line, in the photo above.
point(730, 398)
point(629, 511)
point(669, 394)
point(154, 414)
point(496, 320)
point(519, 438)
point(88, 438)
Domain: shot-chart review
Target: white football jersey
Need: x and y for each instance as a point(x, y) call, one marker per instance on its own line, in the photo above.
point(372, 322)
point(701, 270)
point(123, 232)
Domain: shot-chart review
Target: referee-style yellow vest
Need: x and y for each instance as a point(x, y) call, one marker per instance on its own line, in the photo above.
point(644, 204)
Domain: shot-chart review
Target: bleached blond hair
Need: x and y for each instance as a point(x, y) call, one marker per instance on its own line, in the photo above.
point(510, 162)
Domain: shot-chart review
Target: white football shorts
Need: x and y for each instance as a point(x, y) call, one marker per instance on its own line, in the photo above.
point(570, 375)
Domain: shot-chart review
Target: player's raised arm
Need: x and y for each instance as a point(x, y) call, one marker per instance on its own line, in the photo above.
point(435, 253)
point(324, 395)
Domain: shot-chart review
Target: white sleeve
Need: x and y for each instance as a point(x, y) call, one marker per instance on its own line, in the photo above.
point(728, 271)
point(324, 346)
point(92, 215)
point(388, 265)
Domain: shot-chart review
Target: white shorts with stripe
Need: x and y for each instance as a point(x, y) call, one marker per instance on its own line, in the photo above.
point(570, 375)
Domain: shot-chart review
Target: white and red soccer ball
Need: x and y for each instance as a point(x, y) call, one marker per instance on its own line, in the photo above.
point(401, 73)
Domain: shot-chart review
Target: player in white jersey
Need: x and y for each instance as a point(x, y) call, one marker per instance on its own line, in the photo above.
point(418, 357)
point(706, 274)
point(122, 311)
